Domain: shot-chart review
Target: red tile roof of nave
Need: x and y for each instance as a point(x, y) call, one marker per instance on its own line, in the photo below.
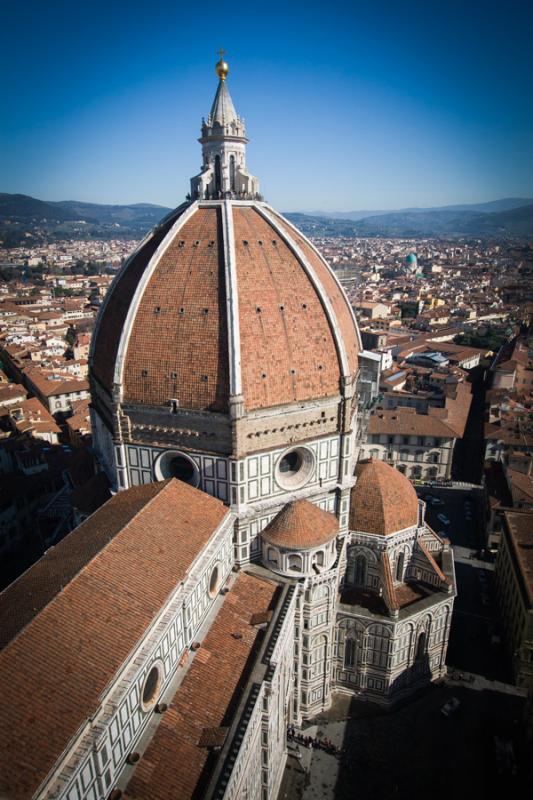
point(288, 351)
point(179, 335)
point(174, 765)
point(337, 297)
point(383, 501)
point(85, 605)
point(115, 310)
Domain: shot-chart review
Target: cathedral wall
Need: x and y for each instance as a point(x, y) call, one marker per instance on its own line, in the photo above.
point(316, 634)
point(103, 446)
point(385, 659)
point(257, 769)
point(95, 762)
point(252, 485)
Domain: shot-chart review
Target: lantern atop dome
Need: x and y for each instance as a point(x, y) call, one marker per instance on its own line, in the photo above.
point(223, 140)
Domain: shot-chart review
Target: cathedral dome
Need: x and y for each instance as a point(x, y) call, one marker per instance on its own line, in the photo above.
point(301, 525)
point(225, 298)
point(225, 292)
point(383, 501)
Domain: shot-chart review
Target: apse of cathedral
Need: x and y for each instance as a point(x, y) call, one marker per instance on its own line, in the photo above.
point(247, 568)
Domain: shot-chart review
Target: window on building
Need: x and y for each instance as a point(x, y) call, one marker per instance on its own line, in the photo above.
point(421, 647)
point(218, 175)
point(360, 569)
point(399, 567)
point(295, 562)
point(350, 652)
point(232, 172)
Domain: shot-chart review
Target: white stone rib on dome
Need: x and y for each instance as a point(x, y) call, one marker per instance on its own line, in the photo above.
point(232, 301)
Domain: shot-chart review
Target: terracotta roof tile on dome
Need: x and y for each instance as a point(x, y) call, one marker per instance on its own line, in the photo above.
point(178, 346)
point(334, 291)
point(301, 524)
point(115, 308)
point(383, 500)
point(288, 350)
point(225, 277)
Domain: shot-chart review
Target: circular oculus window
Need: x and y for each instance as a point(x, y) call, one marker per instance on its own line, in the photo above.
point(295, 467)
point(177, 465)
point(151, 686)
point(214, 581)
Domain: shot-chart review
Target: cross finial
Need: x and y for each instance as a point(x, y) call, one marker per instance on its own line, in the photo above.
point(221, 53)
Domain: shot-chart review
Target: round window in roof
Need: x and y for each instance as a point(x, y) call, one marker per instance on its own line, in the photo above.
point(173, 464)
point(214, 581)
point(151, 686)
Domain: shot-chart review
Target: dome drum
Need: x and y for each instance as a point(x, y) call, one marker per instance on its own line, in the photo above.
point(299, 563)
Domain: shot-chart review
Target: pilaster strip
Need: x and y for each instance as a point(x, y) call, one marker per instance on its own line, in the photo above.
point(232, 300)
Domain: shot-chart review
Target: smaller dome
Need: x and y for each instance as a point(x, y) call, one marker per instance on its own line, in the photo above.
point(301, 525)
point(411, 258)
point(383, 500)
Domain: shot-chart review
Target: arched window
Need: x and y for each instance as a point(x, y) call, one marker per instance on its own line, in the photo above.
point(295, 563)
point(421, 646)
point(218, 175)
point(399, 567)
point(232, 173)
point(360, 571)
point(350, 652)
point(401, 468)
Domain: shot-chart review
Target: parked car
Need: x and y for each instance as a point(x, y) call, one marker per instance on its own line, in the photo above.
point(443, 518)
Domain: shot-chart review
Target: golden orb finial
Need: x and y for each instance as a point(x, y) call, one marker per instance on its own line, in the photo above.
point(222, 67)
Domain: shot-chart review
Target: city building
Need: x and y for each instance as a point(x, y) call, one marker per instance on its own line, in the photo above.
point(514, 587)
point(419, 439)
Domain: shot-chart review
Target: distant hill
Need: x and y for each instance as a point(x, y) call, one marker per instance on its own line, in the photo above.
point(506, 204)
point(136, 214)
point(23, 207)
point(21, 214)
point(517, 222)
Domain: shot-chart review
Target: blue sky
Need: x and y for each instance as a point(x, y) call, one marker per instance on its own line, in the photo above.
point(348, 105)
